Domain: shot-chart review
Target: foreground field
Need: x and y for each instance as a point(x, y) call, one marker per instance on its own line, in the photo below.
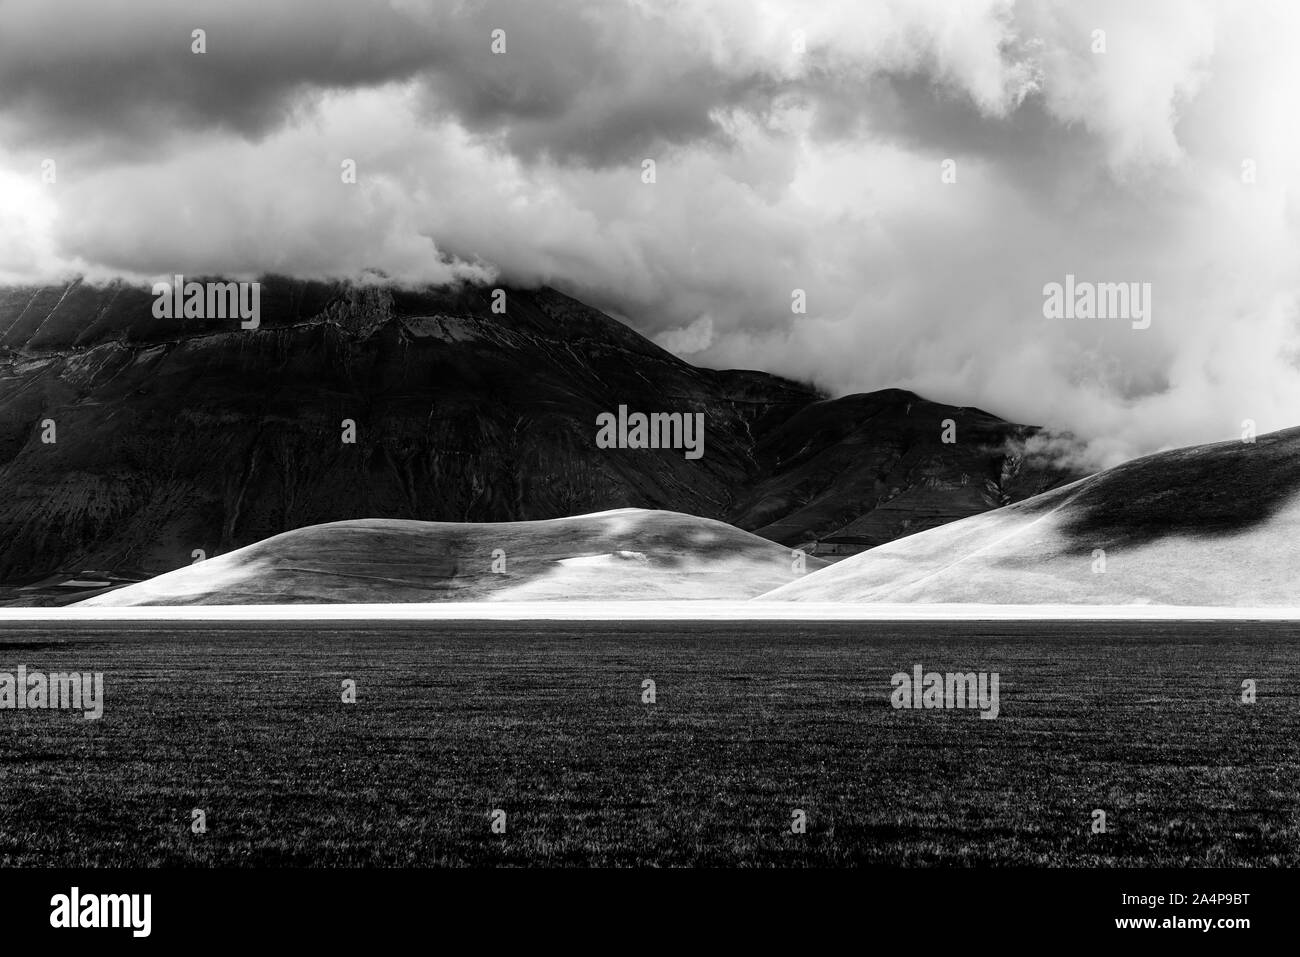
point(751, 721)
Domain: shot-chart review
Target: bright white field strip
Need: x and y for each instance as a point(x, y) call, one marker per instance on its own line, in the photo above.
point(649, 611)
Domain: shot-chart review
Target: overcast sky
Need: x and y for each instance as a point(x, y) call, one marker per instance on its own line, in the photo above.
point(776, 169)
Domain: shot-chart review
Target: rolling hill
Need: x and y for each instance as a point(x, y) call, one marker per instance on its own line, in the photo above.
point(624, 554)
point(1208, 525)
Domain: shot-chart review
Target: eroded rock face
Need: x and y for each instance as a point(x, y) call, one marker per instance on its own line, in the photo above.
point(179, 434)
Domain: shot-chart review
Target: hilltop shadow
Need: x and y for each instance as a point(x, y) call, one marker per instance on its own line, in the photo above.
point(1213, 490)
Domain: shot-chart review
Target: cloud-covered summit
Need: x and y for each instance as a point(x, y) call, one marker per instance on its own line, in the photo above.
point(797, 145)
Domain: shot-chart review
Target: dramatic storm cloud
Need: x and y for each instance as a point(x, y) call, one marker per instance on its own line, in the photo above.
point(920, 170)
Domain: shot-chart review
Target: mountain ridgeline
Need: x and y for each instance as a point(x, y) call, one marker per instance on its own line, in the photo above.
point(132, 444)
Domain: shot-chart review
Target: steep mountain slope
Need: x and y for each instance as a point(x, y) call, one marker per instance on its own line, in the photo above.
point(176, 435)
point(1208, 525)
point(856, 472)
point(626, 554)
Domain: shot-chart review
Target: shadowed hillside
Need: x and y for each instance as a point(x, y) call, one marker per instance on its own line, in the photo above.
point(1208, 525)
point(853, 473)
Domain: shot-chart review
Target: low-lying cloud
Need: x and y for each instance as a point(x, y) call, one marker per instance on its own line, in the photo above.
point(797, 146)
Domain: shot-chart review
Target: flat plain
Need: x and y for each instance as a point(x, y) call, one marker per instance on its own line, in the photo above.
point(452, 720)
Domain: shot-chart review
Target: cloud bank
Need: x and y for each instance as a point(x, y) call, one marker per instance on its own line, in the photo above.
point(919, 169)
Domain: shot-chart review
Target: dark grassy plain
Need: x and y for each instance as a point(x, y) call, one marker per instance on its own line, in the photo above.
point(752, 720)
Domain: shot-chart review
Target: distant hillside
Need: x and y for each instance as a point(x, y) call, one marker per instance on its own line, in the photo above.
point(627, 554)
point(1208, 525)
point(843, 475)
point(182, 434)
